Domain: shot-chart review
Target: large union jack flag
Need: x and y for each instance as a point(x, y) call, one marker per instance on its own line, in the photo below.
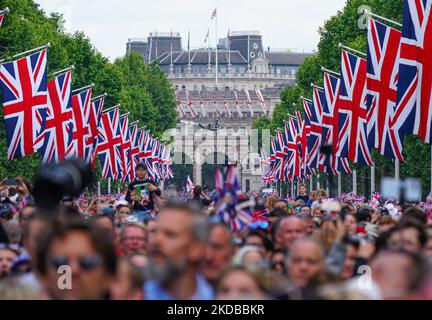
point(24, 89)
point(109, 144)
point(414, 103)
point(381, 83)
point(57, 120)
point(313, 121)
point(95, 112)
point(148, 157)
point(81, 104)
point(351, 106)
point(331, 163)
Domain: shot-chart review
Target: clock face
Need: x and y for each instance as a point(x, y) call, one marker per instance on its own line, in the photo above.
point(252, 55)
point(255, 46)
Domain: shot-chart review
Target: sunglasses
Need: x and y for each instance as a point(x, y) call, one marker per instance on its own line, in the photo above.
point(86, 263)
point(260, 225)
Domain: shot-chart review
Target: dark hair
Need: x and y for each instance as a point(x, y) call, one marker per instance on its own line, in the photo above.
point(410, 222)
point(59, 229)
point(197, 190)
point(268, 245)
point(414, 213)
point(363, 215)
point(350, 240)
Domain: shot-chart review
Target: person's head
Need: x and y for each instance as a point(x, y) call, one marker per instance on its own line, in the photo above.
point(302, 189)
point(277, 260)
point(179, 244)
point(290, 229)
point(8, 253)
point(141, 171)
point(104, 221)
point(79, 255)
point(316, 209)
point(397, 273)
point(321, 194)
point(363, 215)
point(68, 201)
point(133, 237)
point(408, 234)
point(197, 191)
point(122, 212)
point(219, 252)
point(281, 204)
point(308, 220)
point(350, 222)
point(415, 213)
point(128, 282)
point(13, 231)
point(305, 261)
point(26, 214)
point(260, 240)
point(351, 246)
point(305, 210)
point(312, 196)
point(151, 231)
point(250, 256)
point(240, 283)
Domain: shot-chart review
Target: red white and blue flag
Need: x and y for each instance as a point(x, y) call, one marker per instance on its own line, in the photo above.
point(313, 118)
point(109, 144)
point(134, 136)
point(351, 106)
point(57, 120)
point(414, 99)
point(381, 83)
point(125, 148)
point(81, 104)
point(331, 163)
point(94, 123)
point(24, 90)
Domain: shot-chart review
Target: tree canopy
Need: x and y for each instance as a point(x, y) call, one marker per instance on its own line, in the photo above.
point(142, 90)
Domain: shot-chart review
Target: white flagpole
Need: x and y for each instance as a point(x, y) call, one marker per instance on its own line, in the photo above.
point(397, 169)
point(216, 33)
point(229, 50)
point(372, 179)
point(339, 184)
point(109, 185)
point(48, 45)
point(311, 183)
point(354, 181)
point(99, 189)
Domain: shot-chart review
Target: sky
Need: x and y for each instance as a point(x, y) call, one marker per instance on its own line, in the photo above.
point(290, 24)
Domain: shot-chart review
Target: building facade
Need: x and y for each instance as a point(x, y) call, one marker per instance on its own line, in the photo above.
point(231, 86)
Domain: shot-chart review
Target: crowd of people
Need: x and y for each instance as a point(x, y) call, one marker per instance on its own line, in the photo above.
point(153, 244)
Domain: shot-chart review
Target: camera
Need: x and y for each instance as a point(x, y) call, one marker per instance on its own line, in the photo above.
point(54, 181)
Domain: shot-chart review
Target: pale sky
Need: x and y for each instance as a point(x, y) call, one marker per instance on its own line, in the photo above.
point(291, 24)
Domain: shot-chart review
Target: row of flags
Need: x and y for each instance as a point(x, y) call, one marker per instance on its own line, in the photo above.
point(49, 117)
point(200, 107)
point(376, 100)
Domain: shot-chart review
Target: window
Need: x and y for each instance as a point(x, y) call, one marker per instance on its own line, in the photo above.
point(247, 185)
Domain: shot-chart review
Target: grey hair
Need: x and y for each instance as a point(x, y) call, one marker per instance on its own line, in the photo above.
point(200, 228)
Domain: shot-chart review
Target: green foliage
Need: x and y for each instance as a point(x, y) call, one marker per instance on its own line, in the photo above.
point(143, 91)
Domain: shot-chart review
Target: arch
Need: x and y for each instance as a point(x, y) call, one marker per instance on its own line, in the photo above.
point(211, 162)
point(182, 167)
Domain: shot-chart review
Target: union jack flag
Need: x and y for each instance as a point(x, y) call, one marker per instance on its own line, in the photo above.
point(191, 106)
point(109, 144)
point(57, 120)
point(81, 105)
point(237, 105)
point(148, 157)
point(134, 136)
point(249, 102)
point(381, 83)
point(313, 115)
point(167, 164)
point(333, 164)
point(227, 109)
point(180, 107)
point(2, 14)
point(414, 104)
point(279, 160)
point(189, 185)
point(94, 122)
point(144, 136)
point(351, 106)
point(125, 148)
point(293, 147)
point(261, 100)
point(24, 89)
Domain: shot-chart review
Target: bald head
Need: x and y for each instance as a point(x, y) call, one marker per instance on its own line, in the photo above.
point(290, 229)
point(305, 260)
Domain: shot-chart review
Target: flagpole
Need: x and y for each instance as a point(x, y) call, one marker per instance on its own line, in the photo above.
point(48, 45)
point(217, 62)
point(397, 169)
point(112, 108)
point(339, 181)
point(99, 97)
point(109, 185)
point(5, 10)
point(372, 179)
point(354, 181)
point(189, 53)
point(83, 88)
point(63, 71)
point(229, 51)
point(323, 69)
point(370, 14)
point(351, 49)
